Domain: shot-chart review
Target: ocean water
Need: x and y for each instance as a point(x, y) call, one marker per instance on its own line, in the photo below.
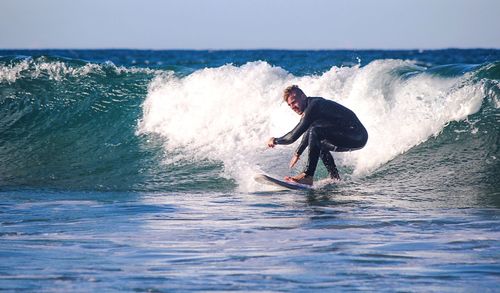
point(125, 170)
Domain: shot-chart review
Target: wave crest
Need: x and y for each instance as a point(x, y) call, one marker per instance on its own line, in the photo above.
point(58, 69)
point(227, 113)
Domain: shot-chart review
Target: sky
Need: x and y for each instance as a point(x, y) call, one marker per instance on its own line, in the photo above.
point(245, 24)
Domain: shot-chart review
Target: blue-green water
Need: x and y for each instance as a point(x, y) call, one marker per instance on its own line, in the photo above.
point(127, 170)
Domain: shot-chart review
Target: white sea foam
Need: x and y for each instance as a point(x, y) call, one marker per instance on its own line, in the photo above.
point(59, 70)
point(11, 73)
point(227, 113)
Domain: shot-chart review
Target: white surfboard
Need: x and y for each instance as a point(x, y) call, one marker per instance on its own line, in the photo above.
point(266, 179)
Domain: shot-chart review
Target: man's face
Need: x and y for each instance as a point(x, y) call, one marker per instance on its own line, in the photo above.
point(296, 103)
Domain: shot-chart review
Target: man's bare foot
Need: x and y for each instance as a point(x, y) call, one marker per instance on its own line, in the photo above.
point(301, 178)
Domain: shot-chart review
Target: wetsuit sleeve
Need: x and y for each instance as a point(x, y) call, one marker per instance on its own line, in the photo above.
point(303, 144)
point(299, 129)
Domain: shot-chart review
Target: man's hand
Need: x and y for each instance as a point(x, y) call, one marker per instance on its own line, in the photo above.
point(270, 142)
point(294, 160)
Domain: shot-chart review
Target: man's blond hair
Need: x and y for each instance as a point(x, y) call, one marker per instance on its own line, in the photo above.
point(292, 90)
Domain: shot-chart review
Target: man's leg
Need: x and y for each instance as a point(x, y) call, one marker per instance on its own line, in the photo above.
point(322, 140)
point(314, 151)
point(320, 147)
point(329, 162)
point(328, 139)
point(306, 177)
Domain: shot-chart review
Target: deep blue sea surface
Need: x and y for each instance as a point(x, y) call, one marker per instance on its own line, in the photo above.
point(132, 170)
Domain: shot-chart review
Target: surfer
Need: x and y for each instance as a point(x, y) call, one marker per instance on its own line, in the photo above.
point(326, 126)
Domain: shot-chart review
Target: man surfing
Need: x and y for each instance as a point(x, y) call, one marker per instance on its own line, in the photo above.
point(327, 126)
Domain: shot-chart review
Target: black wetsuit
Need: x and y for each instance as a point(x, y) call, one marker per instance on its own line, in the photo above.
point(328, 126)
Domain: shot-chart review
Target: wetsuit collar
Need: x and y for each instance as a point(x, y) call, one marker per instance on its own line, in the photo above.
point(307, 104)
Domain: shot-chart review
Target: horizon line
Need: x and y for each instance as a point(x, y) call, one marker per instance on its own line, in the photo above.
point(256, 49)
